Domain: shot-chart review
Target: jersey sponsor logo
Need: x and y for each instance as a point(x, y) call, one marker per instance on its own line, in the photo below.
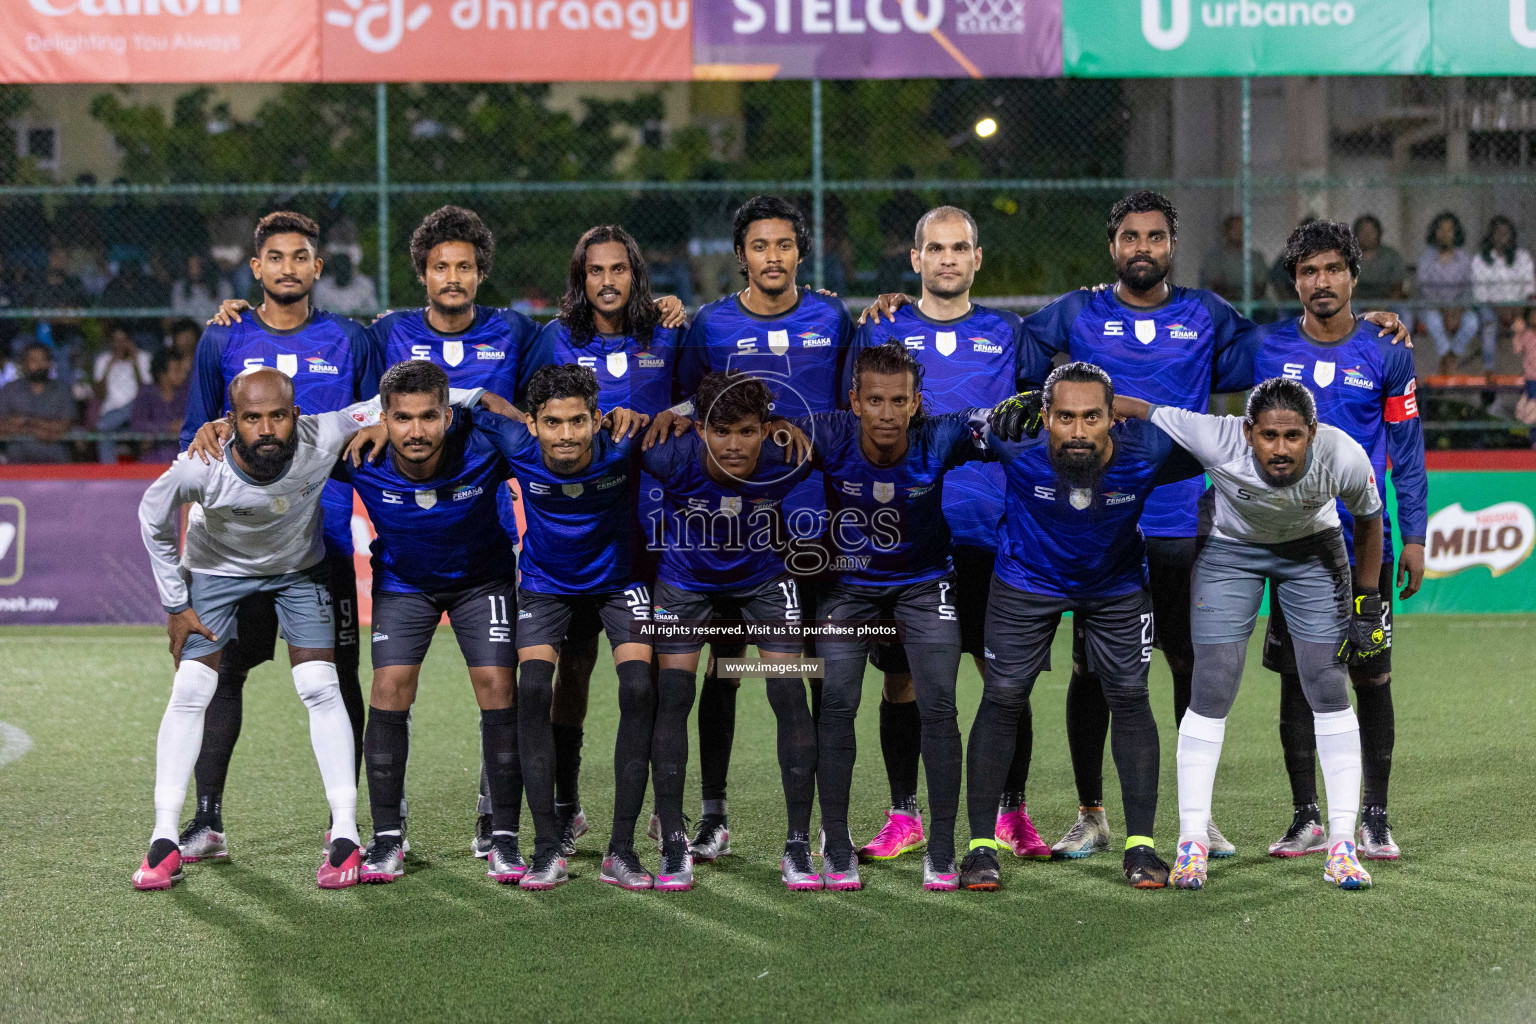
point(1292, 371)
point(1181, 333)
point(1500, 537)
point(944, 341)
point(660, 614)
point(618, 364)
point(1117, 497)
point(919, 491)
point(1404, 406)
point(883, 492)
point(379, 638)
point(534, 487)
point(1045, 493)
point(464, 492)
point(852, 488)
point(288, 363)
point(453, 352)
point(1323, 373)
point(608, 483)
point(482, 351)
point(319, 365)
point(778, 342)
point(648, 361)
point(1114, 329)
point(1353, 378)
point(810, 339)
point(572, 490)
point(421, 352)
point(915, 342)
point(392, 498)
point(980, 344)
point(426, 499)
point(1146, 331)
point(254, 361)
point(746, 346)
point(241, 510)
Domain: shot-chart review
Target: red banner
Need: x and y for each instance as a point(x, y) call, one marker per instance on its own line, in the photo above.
point(160, 41)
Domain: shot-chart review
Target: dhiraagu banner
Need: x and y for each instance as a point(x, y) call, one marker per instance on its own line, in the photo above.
point(1153, 38)
point(1485, 37)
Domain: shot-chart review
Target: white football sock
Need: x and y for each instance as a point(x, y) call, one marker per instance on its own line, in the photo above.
point(330, 733)
point(179, 743)
point(1338, 752)
point(1200, 740)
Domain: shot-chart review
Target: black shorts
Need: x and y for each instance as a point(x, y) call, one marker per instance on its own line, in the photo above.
point(775, 603)
point(925, 612)
point(1117, 635)
point(1170, 566)
point(481, 617)
point(973, 581)
point(551, 619)
point(1279, 656)
point(255, 639)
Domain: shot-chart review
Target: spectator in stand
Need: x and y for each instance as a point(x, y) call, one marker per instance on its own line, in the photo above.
point(133, 288)
point(183, 337)
point(8, 298)
point(1383, 274)
point(160, 408)
point(1501, 274)
point(200, 289)
point(1445, 280)
point(340, 289)
point(37, 409)
point(118, 375)
point(59, 289)
point(93, 272)
point(1222, 269)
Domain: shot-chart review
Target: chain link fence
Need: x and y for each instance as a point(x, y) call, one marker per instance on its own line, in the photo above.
point(138, 205)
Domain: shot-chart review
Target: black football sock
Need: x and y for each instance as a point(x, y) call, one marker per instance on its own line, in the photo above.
point(994, 732)
point(1018, 768)
point(1087, 726)
point(1134, 744)
point(536, 746)
point(901, 740)
point(1297, 742)
point(502, 765)
point(934, 668)
point(221, 730)
point(346, 656)
point(568, 740)
point(159, 850)
point(632, 749)
point(341, 849)
point(717, 731)
point(669, 746)
point(797, 750)
point(386, 746)
point(837, 747)
point(1183, 685)
point(1378, 733)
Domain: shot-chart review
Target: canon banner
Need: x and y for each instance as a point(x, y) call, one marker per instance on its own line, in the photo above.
point(745, 39)
point(160, 41)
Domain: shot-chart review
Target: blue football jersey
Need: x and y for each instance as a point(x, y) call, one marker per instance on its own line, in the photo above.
point(972, 362)
point(487, 355)
point(719, 536)
point(332, 365)
point(582, 529)
point(1061, 541)
point(886, 524)
point(798, 353)
point(1168, 355)
point(438, 534)
point(1365, 386)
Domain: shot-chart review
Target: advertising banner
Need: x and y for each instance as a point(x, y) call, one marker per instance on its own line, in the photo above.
point(1484, 37)
point(506, 40)
point(756, 39)
point(160, 41)
point(1136, 38)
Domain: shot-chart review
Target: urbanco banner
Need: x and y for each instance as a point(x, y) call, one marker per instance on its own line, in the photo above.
point(1181, 38)
point(1485, 37)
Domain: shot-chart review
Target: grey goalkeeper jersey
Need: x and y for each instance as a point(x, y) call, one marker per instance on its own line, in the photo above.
point(1248, 507)
point(238, 527)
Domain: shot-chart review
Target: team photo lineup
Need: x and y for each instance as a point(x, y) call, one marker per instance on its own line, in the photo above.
point(897, 487)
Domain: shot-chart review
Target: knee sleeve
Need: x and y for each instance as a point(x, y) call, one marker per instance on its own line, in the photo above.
point(1218, 673)
point(1324, 678)
point(193, 687)
point(636, 694)
point(317, 683)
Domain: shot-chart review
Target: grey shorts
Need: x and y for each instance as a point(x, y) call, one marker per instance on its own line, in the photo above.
point(1280, 656)
point(1312, 581)
point(481, 616)
point(303, 601)
point(775, 603)
point(548, 619)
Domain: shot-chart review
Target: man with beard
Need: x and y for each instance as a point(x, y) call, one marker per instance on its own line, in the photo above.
point(970, 358)
point(795, 340)
point(253, 529)
point(609, 323)
point(1071, 543)
point(331, 365)
point(1277, 474)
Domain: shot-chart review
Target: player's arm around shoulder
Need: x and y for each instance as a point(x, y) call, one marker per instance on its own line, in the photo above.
point(1213, 440)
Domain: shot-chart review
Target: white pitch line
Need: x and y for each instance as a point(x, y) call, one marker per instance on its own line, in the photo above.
point(13, 743)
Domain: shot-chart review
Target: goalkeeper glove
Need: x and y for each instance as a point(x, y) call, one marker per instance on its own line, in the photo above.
point(1366, 640)
point(1018, 417)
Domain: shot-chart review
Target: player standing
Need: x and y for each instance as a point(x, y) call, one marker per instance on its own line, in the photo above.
point(610, 323)
point(254, 528)
point(1366, 388)
point(723, 491)
point(1071, 542)
point(1277, 475)
point(970, 359)
point(331, 366)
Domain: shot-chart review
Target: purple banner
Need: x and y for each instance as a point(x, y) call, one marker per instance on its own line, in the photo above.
point(70, 553)
point(756, 39)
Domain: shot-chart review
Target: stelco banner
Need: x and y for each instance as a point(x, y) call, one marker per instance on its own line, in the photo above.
point(1128, 38)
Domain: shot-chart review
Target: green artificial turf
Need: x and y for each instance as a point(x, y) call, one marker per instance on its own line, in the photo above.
point(1448, 933)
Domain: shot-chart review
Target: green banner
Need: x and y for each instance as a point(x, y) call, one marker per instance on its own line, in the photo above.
point(1477, 552)
point(1485, 37)
point(1166, 38)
